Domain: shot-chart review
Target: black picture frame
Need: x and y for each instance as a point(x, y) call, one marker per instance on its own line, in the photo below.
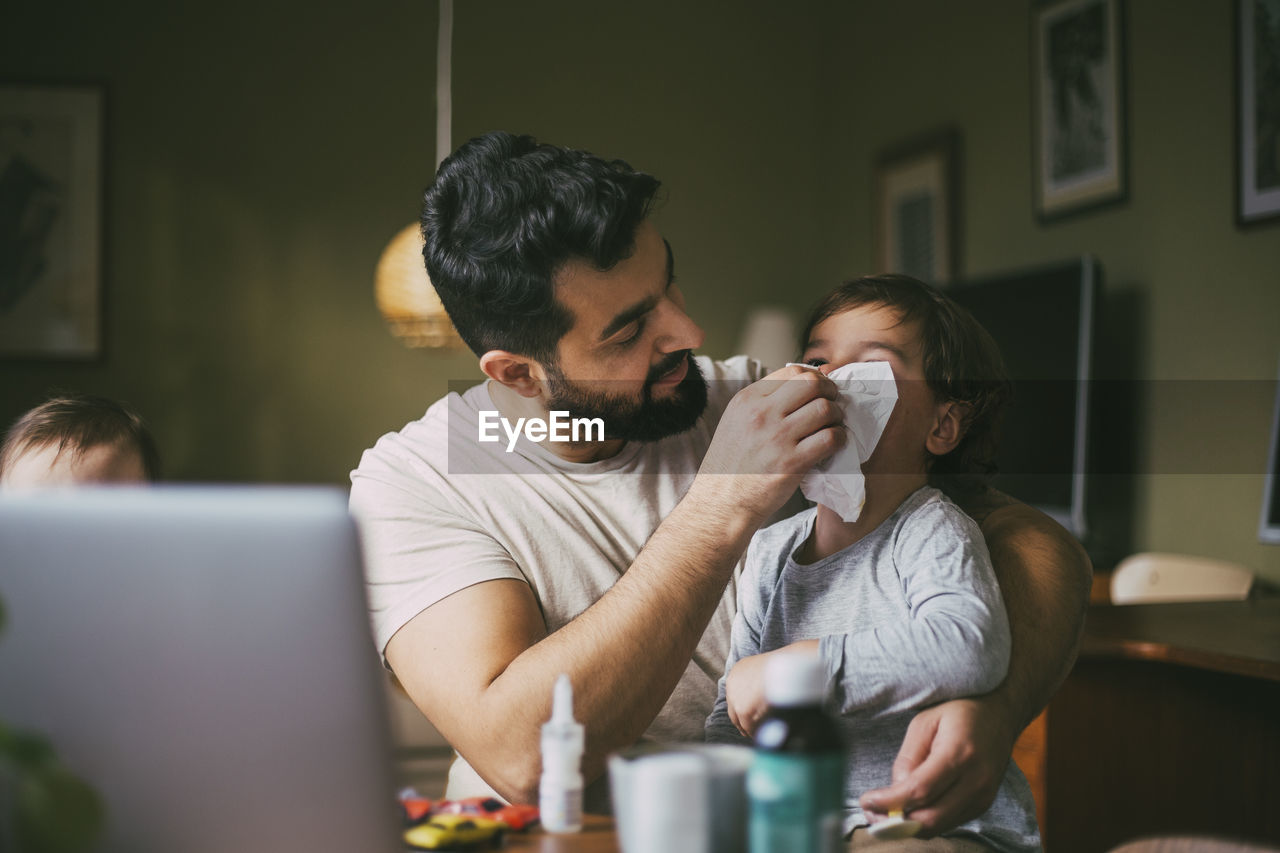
point(1257, 111)
point(51, 223)
point(917, 207)
point(1078, 60)
point(1269, 521)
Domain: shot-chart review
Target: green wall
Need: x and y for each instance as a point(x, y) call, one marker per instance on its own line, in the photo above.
point(260, 156)
point(1192, 304)
point(721, 100)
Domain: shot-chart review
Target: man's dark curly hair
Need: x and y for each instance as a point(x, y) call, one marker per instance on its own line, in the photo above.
point(504, 214)
point(961, 364)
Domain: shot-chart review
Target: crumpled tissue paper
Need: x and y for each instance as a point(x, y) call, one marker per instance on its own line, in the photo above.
point(867, 395)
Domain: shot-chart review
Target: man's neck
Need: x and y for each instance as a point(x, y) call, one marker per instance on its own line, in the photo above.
point(513, 406)
point(831, 533)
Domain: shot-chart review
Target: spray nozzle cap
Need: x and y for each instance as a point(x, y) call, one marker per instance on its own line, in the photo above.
point(562, 700)
point(562, 736)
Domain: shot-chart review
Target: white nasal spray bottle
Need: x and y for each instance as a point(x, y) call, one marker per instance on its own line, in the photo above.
point(560, 792)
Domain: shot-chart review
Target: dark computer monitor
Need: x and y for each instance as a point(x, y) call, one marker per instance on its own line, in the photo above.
point(1043, 319)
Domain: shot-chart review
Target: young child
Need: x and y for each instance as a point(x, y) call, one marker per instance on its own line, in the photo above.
point(901, 604)
point(78, 439)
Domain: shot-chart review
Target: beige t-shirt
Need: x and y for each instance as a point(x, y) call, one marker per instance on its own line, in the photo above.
point(440, 510)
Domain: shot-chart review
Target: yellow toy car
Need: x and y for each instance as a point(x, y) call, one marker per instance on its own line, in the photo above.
point(455, 832)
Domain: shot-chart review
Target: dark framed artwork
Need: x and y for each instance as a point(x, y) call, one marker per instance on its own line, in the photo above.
point(1269, 524)
point(50, 221)
point(1257, 110)
point(917, 208)
point(1077, 82)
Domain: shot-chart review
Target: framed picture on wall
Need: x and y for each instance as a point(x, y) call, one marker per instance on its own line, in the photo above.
point(917, 202)
point(1269, 524)
point(1078, 111)
point(1257, 110)
point(50, 221)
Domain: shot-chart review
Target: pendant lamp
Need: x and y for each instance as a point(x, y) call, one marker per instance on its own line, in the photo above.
point(402, 289)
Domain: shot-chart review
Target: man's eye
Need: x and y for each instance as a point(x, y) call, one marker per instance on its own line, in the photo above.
point(630, 338)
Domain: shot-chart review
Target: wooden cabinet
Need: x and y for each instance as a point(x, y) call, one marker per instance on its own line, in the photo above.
point(1169, 723)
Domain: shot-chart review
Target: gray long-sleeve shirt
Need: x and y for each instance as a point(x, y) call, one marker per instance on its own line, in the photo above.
point(908, 616)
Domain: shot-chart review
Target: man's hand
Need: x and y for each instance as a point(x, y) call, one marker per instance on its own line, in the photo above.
point(950, 766)
point(770, 435)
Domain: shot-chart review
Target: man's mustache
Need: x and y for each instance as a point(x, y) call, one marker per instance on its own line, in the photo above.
point(667, 365)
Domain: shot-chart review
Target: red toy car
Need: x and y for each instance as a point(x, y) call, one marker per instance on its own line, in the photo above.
point(416, 810)
point(518, 817)
point(414, 807)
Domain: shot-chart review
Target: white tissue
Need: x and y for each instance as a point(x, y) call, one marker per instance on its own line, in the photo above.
point(867, 395)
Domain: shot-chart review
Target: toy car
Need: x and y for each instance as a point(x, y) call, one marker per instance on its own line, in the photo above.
point(454, 832)
point(516, 816)
point(415, 809)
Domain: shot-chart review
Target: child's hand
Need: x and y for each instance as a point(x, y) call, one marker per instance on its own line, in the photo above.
point(744, 693)
point(744, 688)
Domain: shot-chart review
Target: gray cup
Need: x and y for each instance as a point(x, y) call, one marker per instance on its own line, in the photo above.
point(681, 798)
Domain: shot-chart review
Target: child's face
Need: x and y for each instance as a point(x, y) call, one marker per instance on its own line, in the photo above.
point(873, 333)
point(43, 465)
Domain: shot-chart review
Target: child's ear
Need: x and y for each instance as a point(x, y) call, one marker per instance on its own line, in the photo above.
point(948, 429)
point(519, 373)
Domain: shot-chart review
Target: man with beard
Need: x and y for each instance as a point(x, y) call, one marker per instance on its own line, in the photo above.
point(495, 566)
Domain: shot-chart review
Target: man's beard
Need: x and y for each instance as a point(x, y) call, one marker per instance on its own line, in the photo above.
point(645, 419)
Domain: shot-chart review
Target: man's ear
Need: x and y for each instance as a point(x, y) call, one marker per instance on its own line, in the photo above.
point(519, 373)
point(948, 429)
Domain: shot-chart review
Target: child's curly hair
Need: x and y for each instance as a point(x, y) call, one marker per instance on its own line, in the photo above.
point(962, 364)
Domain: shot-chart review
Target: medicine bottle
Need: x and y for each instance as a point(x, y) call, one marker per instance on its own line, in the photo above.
point(796, 781)
point(560, 789)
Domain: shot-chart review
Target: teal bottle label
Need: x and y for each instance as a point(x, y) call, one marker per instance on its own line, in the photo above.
point(797, 802)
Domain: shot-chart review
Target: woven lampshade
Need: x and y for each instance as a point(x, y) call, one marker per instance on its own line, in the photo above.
point(406, 298)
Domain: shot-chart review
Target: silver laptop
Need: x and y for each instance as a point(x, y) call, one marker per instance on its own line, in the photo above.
point(202, 657)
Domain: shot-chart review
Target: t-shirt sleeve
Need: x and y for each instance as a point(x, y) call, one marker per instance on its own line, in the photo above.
point(417, 548)
point(744, 641)
point(725, 379)
point(954, 643)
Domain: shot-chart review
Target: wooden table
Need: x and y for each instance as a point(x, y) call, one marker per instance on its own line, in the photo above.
point(597, 836)
point(1169, 723)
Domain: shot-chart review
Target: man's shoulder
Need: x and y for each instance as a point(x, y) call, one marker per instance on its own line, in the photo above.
point(725, 379)
point(1009, 525)
point(739, 368)
point(999, 514)
point(730, 375)
point(424, 442)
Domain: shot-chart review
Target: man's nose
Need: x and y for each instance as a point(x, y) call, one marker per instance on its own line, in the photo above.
point(679, 330)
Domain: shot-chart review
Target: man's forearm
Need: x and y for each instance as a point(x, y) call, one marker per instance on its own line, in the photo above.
point(627, 651)
point(1044, 577)
point(624, 654)
point(630, 649)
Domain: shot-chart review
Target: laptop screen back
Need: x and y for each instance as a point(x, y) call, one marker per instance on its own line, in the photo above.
point(201, 657)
